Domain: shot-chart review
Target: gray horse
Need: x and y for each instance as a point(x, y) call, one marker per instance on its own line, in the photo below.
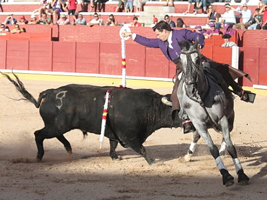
point(208, 106)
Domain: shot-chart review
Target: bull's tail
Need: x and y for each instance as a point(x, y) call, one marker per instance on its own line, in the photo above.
point(20, 87)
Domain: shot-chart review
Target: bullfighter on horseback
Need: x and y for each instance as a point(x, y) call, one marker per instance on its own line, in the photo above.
point(167, 42)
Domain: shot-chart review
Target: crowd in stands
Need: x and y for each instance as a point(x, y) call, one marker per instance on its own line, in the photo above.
point(52, 12)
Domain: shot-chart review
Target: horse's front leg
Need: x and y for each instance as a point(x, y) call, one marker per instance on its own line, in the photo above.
point(228, 180)
point(192, 147)
point(242, 177)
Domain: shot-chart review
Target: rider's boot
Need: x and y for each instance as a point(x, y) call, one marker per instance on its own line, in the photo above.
point(247, 96)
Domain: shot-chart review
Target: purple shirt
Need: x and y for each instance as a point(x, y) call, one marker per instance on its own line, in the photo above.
point(180, 35)
point(211, 31)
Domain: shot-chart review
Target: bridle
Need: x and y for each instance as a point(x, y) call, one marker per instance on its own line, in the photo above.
point(194, 95)
point(193, 64)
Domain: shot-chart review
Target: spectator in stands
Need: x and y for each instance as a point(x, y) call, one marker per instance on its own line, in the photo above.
point(44, 19)
point(246, 17)
point(167, 3)
point(1, 6)
point(155, 21)
point(4, 28)
point(135, 22)
point(228, 29)
point(138, 4)
point(197, 4)
point(169, 21)
point(17, 29)
point(227, 42)
point(63, 20)
point(22, 20)
point(10, 20)
point(80, 20)
point(96, 21)
point(71, 6)
point(263, 11)
point(256, 21)
point(119, 5)
point(84, 5)
point(262, 3)
point(111, 21)
point(213, 16)
point(228, 16)
point(57, 6)
point(98, 4)
point(211, 31)
point(129, 6)
point(199, 29)
point(33, 20)
point(180, 23)
point(46, 7)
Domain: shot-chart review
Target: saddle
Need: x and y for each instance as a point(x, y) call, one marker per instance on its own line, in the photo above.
point(217, 78)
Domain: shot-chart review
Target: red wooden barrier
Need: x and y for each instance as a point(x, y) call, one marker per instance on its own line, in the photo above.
point(43, 36)
point(3, 48)
point(64, 55)
point(40, 54)
point(17, 56)
point(263, 67)
point(87, 57)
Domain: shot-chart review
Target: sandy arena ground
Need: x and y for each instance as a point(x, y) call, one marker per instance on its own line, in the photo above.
point(91, 174)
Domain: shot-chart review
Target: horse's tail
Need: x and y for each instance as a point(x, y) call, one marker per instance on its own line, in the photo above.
point(20, 87)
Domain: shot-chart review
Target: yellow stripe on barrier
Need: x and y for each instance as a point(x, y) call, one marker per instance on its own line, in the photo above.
point(111, 81)
point(94, 80)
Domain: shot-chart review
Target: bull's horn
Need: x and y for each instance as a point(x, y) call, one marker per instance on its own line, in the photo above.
point(166, 101)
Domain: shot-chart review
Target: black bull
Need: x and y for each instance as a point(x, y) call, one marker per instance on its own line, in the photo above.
point(133, 114)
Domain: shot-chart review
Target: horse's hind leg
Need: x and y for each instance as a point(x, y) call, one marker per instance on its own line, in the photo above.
point(192, 147)
point(65, 142)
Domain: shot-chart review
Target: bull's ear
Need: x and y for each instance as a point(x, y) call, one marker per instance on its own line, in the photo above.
point(196, 42)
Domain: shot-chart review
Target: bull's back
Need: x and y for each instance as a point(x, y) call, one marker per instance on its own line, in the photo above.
point(75, 106)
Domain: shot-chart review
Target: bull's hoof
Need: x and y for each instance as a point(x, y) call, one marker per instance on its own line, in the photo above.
point(228, 180)
point(69, 150)
point(116, 158)
point(150, 161)
point(242, 178)
point(39, 158)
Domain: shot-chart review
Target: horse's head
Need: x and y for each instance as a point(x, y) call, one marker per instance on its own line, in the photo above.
point(190, 61)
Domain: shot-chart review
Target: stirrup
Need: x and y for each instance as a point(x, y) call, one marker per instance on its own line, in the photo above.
point(188, 126)
point(248, 96)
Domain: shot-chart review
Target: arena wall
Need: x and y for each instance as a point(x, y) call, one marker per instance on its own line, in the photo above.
point(97, 50)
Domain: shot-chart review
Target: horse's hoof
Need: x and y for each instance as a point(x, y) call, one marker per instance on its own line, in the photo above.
point(243, 183)
point(228, 180)
point(187, 157)
point(242, 177)
point(229, 183)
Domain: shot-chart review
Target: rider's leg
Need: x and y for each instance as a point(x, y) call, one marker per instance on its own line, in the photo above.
point(186, 122)
point(225, 71)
